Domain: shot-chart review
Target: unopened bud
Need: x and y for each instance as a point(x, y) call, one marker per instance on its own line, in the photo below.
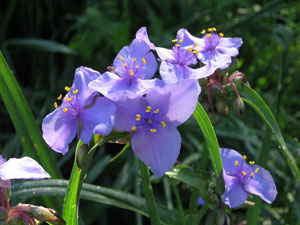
point(220, 220)
point(3, 214)
point(221, 106)
point(81, 155)
point(213, 201)
point(238, 106)
point(5, 190)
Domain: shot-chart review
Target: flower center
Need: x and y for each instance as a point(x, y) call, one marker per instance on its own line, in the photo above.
point(132, 67)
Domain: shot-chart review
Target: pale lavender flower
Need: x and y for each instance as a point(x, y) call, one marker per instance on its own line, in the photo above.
point(81, 112)
point(177, 63)
point(134, 67)
point(23, 168)
point(214, 50)
point(241, 179)
point(153, 120)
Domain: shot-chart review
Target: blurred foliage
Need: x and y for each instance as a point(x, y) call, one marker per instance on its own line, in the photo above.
point(45, 41)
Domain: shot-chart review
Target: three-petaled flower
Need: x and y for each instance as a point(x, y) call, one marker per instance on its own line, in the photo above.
point(23, 168)
point(134, 67)
point(153, 120)
point(176, 63)
point(81, 112)
point(214, 50)
point(241, 179)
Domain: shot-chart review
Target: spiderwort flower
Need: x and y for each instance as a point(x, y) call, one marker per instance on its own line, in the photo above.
point(134, 67)
point(23, 168)
point(81, 111)
point(241, 178)
point(215, 50)
point(153, 120)
point(176, 63)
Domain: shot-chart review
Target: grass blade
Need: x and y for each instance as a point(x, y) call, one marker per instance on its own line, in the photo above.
point(258, 104)
point(210, 138)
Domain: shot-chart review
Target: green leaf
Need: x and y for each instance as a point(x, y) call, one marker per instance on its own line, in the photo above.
point(210, 138)
point(195, 178)
point(94, 193)
point(40, 44)
point(258, 104)
point(24, 122)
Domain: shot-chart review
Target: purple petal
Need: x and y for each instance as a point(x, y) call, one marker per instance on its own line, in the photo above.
point(59, 129)
point(201, 201)
point(183, 34)
point(173, 73)
point(228, 51)
point(83, 76)
point(139, 49)
point(148, 70)
point(97, 119)
point(109, 83)
point(229, 156)
point(234, 194)
point(158, 150)
point(127, 108)
point(165, 54)
point(183, 99)
point(118, 63)
point(24, 168)
point(202, 72)
point(262, 184)
point(143, 35)
point(231, 42)
point(142, 86)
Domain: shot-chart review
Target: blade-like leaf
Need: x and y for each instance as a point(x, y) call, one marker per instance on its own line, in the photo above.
point(258, 104)
point(210, 138)
point(24, 122)
point(94, 193)
point(40, 44)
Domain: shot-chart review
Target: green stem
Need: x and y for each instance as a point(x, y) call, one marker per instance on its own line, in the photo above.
point(71, 203)
point(179, 204)
point(147, 188)
point(200, 215)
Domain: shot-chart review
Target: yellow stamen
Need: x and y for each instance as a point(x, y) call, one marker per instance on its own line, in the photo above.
point(236, 163)
point(120, 57)
point(148, 108)
point(55, 105)
point(68, 99)
point(156, 111)
point(208, 35)
point(221, 34)
point(252, 174)
point(130, 72)
point(133, 128)
point(180, 41)
point(163, 124)
point(244, 173)
point(153, 130)
point(67, 88)
point(195, 52)
point(244, 157)
point(210, 29)
point(214, 29)
point(65, 110)
point(75, 91)
point(177, 45)
point(195, 45)
point(124, 64)
point(134, 59)
point(203, 31)
point(137, 66)
point(144, 60)
point(252, 162)
point(175, 40)
point(190, 49)
point(59, 97)
point(256, 170)
point(138, 117)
